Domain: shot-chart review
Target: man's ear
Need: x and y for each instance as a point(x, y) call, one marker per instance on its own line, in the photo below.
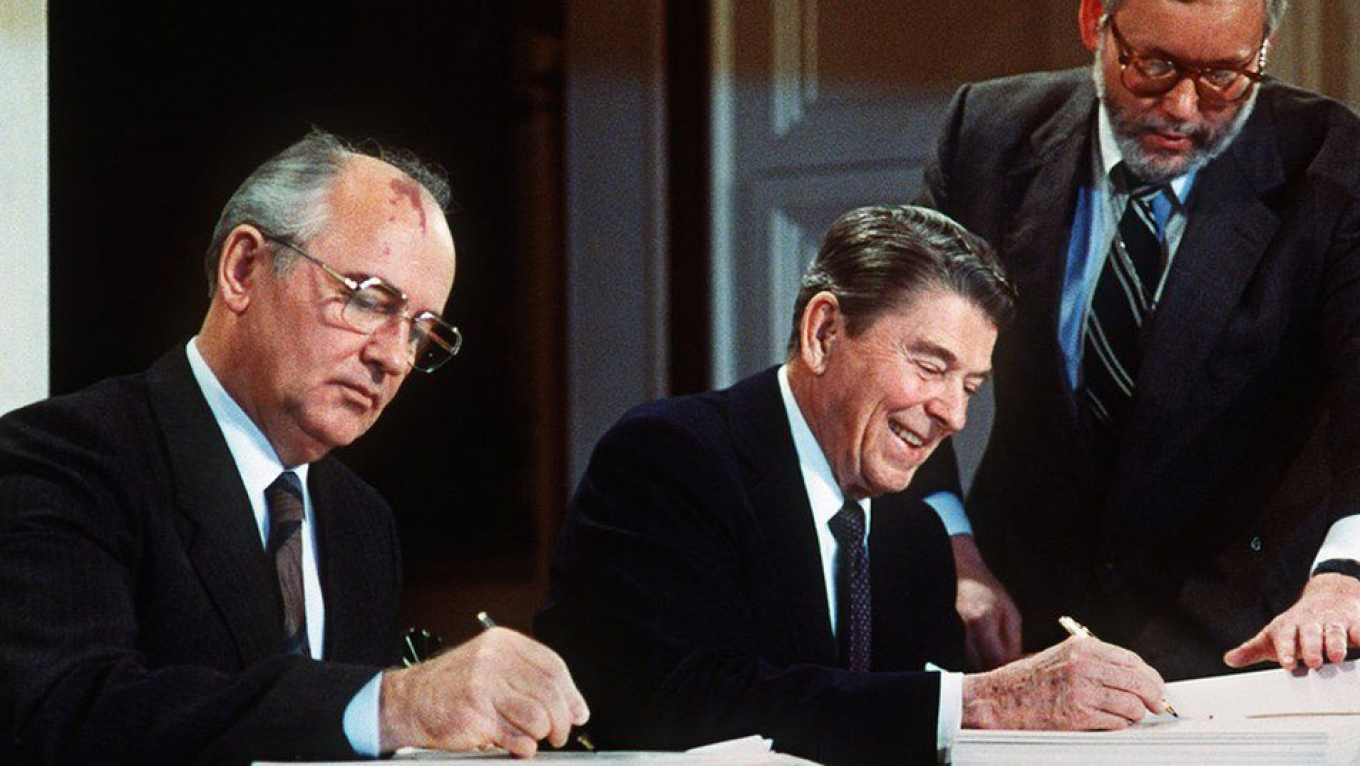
point(245, 257)
point(1088, 17)
point(819, 330)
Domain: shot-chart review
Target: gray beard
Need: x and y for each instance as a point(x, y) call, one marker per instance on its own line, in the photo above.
point(1152, 168)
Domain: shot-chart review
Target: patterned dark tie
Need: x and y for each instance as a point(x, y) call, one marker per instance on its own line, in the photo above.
point(284, 498)
point(1124, 298)
point(854, 615)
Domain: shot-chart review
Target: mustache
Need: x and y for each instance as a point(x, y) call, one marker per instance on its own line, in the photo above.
point(1196, 132)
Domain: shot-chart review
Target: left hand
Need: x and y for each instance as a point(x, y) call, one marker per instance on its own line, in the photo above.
point(990, 616)
point(1319, 627)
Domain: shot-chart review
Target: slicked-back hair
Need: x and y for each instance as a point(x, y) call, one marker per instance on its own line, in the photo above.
point(287, 195)
point(879, 259)
point(1274, 12)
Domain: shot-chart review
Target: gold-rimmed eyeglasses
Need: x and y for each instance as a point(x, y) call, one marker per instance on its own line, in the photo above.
point(372, 304)
point(1148, 76)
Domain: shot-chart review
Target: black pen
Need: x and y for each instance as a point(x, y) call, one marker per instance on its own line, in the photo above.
point(1075, 628)
point(580, 735)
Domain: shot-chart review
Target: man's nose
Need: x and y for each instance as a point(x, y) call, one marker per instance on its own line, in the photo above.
point(950, 407)
point(388, 347)
point(1181, 103)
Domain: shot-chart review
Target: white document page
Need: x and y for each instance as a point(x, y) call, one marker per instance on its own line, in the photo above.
point(1269, 717)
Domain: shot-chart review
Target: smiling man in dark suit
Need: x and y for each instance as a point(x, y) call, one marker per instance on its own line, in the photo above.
point(185, 576)
point(1176, 451)
point(744, 561)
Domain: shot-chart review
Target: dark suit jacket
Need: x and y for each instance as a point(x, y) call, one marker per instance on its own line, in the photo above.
point(688, 596)
point(1226, 479)
point(139, 614)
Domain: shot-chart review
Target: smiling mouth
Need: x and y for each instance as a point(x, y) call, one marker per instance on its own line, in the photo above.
point(912, 438)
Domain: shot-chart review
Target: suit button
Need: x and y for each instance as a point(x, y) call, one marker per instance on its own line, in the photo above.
point(1256, 544)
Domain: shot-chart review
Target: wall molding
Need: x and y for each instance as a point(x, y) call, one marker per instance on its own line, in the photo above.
point(794, 65)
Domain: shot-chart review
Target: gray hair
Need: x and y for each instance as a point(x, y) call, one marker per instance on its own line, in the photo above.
point(877, 259)
point(286, 196)
point(1274, 12)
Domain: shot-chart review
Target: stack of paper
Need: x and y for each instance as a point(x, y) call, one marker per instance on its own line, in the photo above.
point(746, 751)
point(735, 752)
point(1270, 717)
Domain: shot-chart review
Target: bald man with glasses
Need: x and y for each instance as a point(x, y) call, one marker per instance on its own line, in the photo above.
point(186, 576)
point(1176, 452)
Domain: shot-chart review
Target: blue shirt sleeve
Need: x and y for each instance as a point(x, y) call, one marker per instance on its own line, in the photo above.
point(949, 507)
point(361, 719)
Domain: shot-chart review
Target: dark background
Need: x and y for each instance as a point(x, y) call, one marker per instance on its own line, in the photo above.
point(160, 109)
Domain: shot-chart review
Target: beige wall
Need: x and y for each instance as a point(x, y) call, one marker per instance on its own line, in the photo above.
point(1317, 48)
point(23, 202)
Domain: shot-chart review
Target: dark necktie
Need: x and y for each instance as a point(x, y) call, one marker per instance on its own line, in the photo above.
point(284, 498)
point(1123, 300)
point(854, 616)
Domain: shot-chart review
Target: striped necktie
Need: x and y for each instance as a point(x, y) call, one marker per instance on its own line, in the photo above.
point(284, 498)
point(1124, 299)
point(854, 615)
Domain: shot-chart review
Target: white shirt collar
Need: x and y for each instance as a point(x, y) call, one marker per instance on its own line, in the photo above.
point(824, 494)
point(256, 460)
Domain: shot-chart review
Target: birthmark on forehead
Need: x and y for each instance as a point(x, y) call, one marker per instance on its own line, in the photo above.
point(404, 188)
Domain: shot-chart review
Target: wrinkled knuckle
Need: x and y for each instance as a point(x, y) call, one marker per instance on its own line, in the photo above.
point(457, 727)
point(537, 724)
point(479, 687)
point(557, 668)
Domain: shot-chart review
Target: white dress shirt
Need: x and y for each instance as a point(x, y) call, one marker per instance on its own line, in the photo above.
point(259, 465)
point(826, 499)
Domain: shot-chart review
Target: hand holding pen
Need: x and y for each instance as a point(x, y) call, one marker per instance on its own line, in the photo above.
point(500, 689)
point(579, 736)
point(1079, 684)
point(1075, 628)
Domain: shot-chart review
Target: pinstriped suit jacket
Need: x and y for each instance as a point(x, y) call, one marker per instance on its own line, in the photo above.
point(139, 616)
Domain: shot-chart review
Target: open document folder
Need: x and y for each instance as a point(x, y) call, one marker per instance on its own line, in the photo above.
point(1267, 717)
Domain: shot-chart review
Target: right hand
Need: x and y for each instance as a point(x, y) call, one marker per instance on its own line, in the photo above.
point(1082, 683)
point(501, 689)
point(989, 614)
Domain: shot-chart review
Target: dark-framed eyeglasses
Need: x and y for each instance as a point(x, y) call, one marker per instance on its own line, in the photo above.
point(372, 304)
point(1218, 86)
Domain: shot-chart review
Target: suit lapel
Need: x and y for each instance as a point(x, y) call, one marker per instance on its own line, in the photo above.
point(222, 540)
point(352, 570)
point(782, 511)
point(1035, 254)
point(891, 577)
point(1227, 233)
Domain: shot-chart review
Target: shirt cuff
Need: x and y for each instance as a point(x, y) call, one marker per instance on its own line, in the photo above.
point(951, 710)
point(361, 719)
point(1342, 541)
point(949, 507)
